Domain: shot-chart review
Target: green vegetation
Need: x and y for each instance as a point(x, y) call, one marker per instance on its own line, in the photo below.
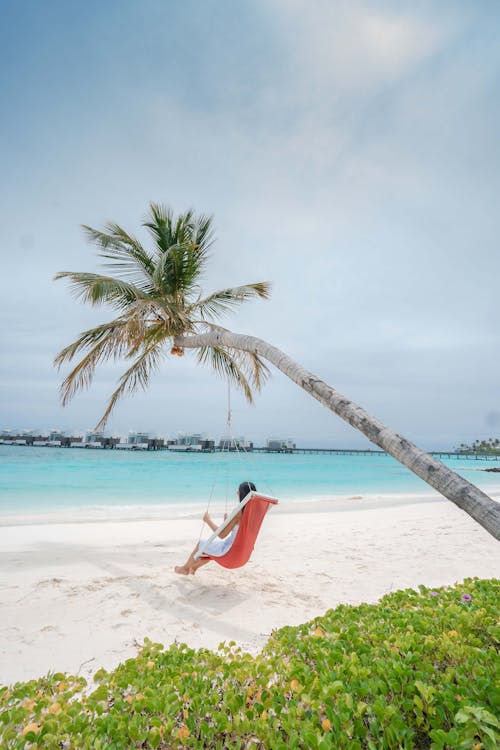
point(491, 445)
point(420, 669)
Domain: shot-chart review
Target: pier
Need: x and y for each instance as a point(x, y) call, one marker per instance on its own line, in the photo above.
point(468, 456)
point(209, 447)
point(377, 452)
point(331, 451)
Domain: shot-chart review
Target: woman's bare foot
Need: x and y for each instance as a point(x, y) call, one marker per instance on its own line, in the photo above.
point(181, 570)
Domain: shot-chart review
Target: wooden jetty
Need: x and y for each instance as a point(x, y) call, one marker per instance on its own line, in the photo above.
point(209, 447)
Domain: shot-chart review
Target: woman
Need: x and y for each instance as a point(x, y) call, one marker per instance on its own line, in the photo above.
point(223, 543)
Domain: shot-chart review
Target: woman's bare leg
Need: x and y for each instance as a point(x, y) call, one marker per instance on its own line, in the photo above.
point(197, 564)
point(191, 565)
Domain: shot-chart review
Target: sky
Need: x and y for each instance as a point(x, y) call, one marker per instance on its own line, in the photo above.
point(348, 152)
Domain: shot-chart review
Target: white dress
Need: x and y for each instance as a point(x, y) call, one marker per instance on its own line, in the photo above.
point(218, 546)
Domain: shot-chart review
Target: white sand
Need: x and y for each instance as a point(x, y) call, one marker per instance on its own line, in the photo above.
point(78, 596)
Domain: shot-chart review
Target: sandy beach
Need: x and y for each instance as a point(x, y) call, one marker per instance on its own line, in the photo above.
point(78, 596)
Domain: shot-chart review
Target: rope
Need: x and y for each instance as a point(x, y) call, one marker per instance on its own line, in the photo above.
point(247, 457)
point(209, 501)
point(246, 453)
point(224, 447)
point(229, 439)
point(243, 456)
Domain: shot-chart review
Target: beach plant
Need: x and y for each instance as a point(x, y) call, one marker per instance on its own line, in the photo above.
point(162, 309)
point(418, 670)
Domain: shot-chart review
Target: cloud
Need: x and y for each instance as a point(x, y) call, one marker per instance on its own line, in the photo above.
point(349, 154)
point(355, 46)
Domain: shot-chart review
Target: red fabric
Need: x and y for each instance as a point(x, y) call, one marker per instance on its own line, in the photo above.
point(248, 529)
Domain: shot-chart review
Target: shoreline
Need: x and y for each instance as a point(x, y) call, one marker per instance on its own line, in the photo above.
point(79, 596)
point(132, 513)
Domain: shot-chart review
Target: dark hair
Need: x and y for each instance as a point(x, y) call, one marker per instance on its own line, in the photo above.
point(245, 488)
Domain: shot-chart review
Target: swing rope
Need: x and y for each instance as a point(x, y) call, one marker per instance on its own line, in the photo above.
point(225, 448)
point(243, 456)
point(229, 440)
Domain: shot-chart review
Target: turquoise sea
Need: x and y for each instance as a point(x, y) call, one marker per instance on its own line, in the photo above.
point(47, 480)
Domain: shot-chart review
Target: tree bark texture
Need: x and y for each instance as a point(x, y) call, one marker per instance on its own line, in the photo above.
point(467, 496)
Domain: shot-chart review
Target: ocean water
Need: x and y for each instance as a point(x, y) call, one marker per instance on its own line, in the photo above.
point(48, 480)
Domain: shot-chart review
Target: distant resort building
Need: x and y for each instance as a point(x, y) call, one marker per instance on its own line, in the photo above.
point(94, 437)
point(94, 440)
point(8, 437)
point(25, 438)
point(53, 438)
point(196, 442)
point(202, 443)
point(136, 441)
point(280, 445)
point(230, 443)
point(56, 438)
point(90, 439)
point(141, 441)
point(195, 439)
point(138, 438)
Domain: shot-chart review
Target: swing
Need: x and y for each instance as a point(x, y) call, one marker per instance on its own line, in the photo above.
point(255, 506)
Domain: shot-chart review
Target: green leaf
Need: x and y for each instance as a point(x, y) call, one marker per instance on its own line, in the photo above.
point(154, 738)
point(418, 702)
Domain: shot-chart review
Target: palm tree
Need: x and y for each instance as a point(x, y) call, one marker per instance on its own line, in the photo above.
point(158, 297)
point(161, 306)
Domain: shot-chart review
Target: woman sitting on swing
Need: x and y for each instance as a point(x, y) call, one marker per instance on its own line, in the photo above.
point(223, 543)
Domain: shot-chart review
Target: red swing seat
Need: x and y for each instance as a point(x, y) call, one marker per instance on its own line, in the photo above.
point(248, 529)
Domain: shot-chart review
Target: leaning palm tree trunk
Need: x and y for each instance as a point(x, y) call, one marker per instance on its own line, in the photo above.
point(464, 494)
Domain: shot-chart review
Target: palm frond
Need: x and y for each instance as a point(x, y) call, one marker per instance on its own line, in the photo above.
point(226, 300)
point(97, 289)
point(226, 366)
point(121, 338)
point(160, 224)
point(114, 340)
point(137, 376)
point(202, 232)
point(124, 251)
point(257, 369)
point(165, 277)
point(161, 333)
point(244, 369)
point(174, 317)
point(187, 263)
point(112, 344)
point(82, 375)
point(185, 229)
point(119, 332)
point(182, 244)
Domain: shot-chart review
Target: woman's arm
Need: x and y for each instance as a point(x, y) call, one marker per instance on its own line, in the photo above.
point(228, 528)
point(209, 521)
